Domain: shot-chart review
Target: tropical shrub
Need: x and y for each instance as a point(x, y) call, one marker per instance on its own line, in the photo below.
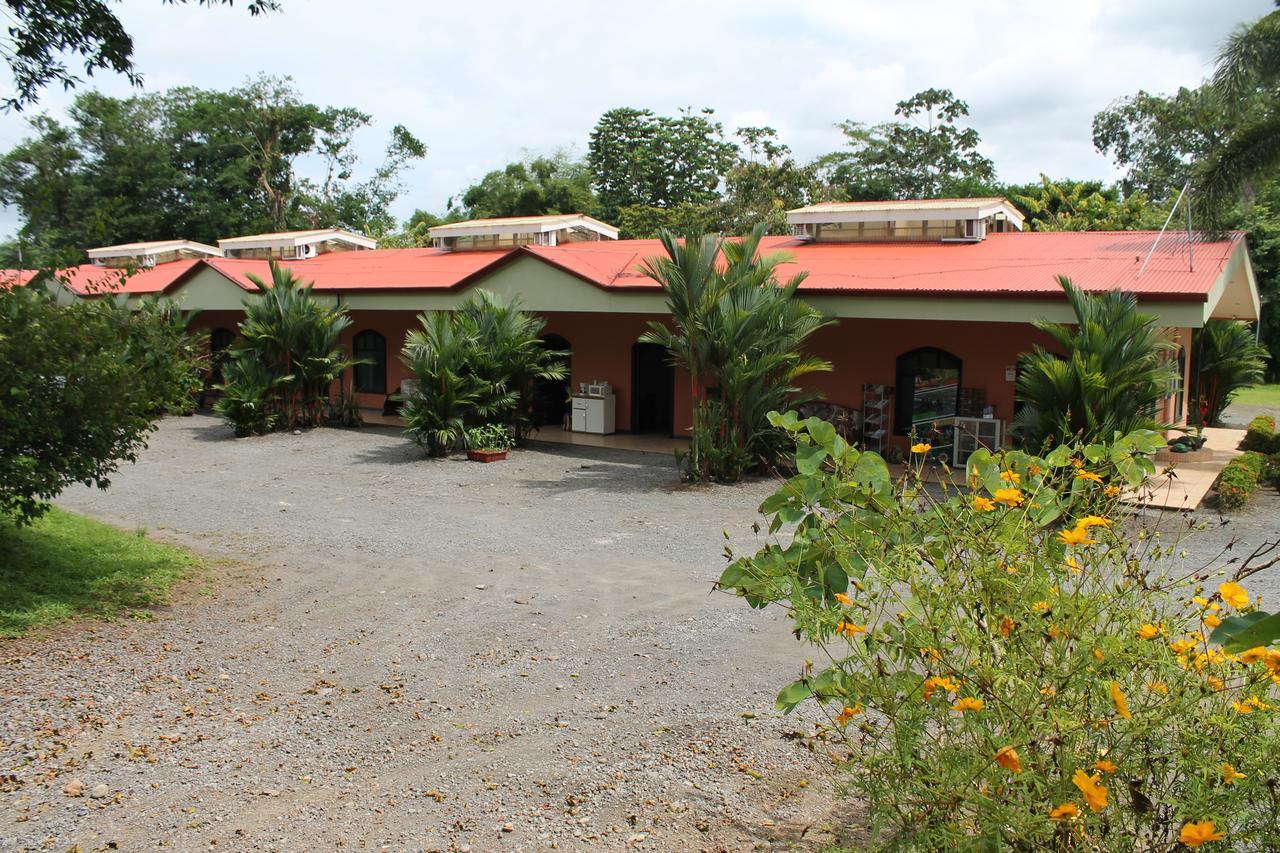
point(475, 366)
point(82, 386)
point(1236, 484)
point(1261, 436)
point(1112, 372)
point(1229, 359)
point(740, 334)
point(1013, 663)
point(289, 351)
point(490, 437)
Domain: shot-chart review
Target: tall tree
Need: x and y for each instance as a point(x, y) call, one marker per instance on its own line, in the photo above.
point(552, 183)
point(637, 157)
point(925, 154)
point(40, 34)
point(193, 163)
point(1156, 139)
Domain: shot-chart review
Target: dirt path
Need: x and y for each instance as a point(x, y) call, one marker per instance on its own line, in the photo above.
point(416, 655)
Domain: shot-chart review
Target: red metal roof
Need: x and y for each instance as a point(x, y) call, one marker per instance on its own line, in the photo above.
point(1025, 263)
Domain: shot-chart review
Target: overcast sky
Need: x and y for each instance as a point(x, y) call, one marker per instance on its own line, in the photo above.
point(483, 83)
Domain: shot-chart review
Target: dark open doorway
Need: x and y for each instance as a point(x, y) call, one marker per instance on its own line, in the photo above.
point(652, 390)
point(551, 396)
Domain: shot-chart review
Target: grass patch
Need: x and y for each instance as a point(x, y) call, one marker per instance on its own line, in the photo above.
point(66, 565)
point(1259, 395)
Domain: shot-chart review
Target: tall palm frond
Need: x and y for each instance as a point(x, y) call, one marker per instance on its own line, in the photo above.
point(1228, 358)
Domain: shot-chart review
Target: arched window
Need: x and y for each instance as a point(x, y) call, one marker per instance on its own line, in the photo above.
point(371, 348)
point(220, 341)
point(927, 389)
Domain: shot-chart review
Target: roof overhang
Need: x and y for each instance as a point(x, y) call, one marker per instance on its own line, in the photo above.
point(1234, 295)
point(298, 238)
point(157, 247)
point(511, 226)
point(929, 210)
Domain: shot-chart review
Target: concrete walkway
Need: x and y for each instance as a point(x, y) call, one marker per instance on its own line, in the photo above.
point(1183, 484)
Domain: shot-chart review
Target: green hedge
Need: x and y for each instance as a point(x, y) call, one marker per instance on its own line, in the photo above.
point(1261, 435)
point(1271, 469)
point(1236, 484)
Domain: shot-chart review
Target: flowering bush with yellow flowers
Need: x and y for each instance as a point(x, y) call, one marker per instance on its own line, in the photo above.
point(1008, 660)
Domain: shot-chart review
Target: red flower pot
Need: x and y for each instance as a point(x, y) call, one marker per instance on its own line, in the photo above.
point(486, 455)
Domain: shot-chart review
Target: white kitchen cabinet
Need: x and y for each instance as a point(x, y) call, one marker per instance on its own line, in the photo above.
point(594, 414)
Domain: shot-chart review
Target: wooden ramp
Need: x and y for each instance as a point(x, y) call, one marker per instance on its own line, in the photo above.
point(1183, 484)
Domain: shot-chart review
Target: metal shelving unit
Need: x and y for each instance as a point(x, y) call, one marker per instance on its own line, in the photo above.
point(877, 413)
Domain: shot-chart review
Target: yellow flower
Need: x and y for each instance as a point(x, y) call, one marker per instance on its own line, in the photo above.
point(984, 504)
point(1232, 593)
point(1242, 707)
point(1111, 491)
point(1200, 832)
point(1076, 536)
point(1158, 687)
point(1077, 462)
point(933, 682)
point(1181, 647)
point(1034, 469)
point(1066, 811)
point(1073, 565)
point(1272, 661)
point(1257, 703)
point(1040, 606)
point(1011, 477)
point(1007, 757)
point(1009, 497)
point(1148, 631)
point(1216, 683)
point(843, 599)
point(1105, 765)
point(1253, 655)
point(1212, 621)
point(847, 714)
point(1098, 655)
point(922, 447)
point(849, 629)
point(1095, 794)
point(1230, 775)
point(930, 652)
point(1120, 701)
point(1088, 475)
point(968, 703)
point(1093, 521)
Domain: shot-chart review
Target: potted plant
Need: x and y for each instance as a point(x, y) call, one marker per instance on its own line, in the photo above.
point(489, 442)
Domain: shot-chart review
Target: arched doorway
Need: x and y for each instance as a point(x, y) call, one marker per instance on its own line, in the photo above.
point(220, 341)
point(370, 348)
point(551, 396)
point(652, 390)
point(927, 389)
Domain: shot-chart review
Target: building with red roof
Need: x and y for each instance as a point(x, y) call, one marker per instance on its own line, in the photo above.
point(938, 293)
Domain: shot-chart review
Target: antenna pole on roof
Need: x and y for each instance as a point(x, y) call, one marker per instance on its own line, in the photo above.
point(1167, 220)
point(1191, 255)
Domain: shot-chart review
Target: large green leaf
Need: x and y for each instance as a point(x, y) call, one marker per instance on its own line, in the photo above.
point(1238, 633)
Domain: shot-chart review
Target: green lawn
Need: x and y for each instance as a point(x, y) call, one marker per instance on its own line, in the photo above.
point(1259, 395)
point(67, 565)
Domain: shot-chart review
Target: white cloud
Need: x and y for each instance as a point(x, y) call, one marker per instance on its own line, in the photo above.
point(482, 84)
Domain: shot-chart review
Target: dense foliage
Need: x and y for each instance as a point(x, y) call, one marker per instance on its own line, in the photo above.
point(83, 386)
point(280, 373)
point(193, 163)
point(1228, 359)
point(1110, 371)
point(1015, 664)
point(473, 367)
point(41, 35)
point(741, 335)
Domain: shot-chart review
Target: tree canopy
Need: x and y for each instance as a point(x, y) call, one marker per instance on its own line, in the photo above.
point(41, 34)
point(194, 163)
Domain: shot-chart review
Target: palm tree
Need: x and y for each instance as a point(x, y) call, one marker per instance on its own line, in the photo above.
point(447, 393)
point(298, 340)
point(1245, 80)
point(1113, 371)
point(742, 335)
point(1227, 359)
point(690, 282)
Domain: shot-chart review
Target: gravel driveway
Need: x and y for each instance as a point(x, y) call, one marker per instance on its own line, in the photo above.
point(390, 652)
